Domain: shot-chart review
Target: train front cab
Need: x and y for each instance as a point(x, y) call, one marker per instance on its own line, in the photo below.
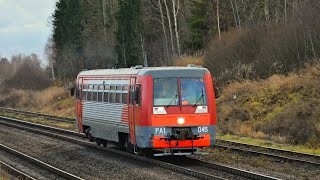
point(179, 116)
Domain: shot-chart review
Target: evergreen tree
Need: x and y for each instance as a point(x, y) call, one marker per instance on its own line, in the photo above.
point(198, 24)
point(128, 33)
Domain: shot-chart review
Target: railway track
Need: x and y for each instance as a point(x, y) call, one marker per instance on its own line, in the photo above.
point(57, 172)
point(279, 154)
point(213, 171)
point(34, 114)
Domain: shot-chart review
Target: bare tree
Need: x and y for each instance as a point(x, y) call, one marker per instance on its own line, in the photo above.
point(175, 9)
point(170, 26)
point(51, 55)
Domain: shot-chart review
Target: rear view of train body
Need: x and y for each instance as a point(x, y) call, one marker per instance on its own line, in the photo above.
point(169, 109)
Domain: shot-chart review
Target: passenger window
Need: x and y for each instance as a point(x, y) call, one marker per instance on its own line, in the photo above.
point(112, 97)
point(94, 96)
point(100, 96)
point(124, 98)
point(105, 97)
point(125, 88)
point(118, 97)
point(89, 96)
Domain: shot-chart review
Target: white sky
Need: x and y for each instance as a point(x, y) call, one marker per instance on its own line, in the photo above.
point(24, 26)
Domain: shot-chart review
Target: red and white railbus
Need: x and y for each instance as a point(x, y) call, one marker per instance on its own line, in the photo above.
point(168, 109)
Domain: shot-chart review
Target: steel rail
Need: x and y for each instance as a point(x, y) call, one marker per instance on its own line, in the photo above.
point(170, 166)
point(39, 163)
point(34, 114)
point(273, 153)
point(15, 172)
point(223, 144)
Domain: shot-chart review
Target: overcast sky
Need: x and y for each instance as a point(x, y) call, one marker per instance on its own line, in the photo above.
point(24, 26)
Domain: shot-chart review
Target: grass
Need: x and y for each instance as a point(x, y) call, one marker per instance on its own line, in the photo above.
point(63, 125)
point(269, 144)
point(281, 109)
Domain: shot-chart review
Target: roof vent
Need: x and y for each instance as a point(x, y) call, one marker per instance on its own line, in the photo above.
point(138, 67)
point(191, 65)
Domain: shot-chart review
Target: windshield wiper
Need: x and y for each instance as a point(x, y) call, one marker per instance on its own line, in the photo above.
point(175, 97)
point(202, 95)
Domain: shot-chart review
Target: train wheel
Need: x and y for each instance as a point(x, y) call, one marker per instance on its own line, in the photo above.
point(89, 135)
point(104, 143)
point(126, 144)
point(98, 141)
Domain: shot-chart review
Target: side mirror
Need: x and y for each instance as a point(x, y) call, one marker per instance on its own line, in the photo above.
point(216, 92)
point(137, 94)
point(72, 91)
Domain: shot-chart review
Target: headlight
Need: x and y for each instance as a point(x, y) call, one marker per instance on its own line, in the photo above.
point(181, 120)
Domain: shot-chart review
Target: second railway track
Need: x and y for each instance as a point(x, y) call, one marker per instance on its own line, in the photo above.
point(281, 155)
point(221, 172)
point(57, 173)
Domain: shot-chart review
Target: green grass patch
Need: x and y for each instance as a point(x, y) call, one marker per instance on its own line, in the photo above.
point(270, 144)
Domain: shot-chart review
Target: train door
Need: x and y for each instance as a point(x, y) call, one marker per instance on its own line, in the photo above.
point(132, 117)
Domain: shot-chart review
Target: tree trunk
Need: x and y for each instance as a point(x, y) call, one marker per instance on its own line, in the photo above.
point(164, 30)
point(175, 13)
point(170, 27)
point(218, 20)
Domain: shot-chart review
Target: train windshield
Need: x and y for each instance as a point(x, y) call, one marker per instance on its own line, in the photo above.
point(166, 92)
point(193, 91)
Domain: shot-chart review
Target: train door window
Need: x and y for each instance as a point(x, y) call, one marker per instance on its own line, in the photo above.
point(78, 89)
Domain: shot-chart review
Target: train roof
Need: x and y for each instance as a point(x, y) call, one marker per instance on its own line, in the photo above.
point(155, 71)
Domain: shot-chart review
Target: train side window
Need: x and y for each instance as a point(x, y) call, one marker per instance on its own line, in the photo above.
point(112, 97)
point(125, 88)
point(100, 98)
point(84, 92)
point(119, 87)
point(113, 87)
point(124, 98)
point(89, 95)
point(106, 97)
point(118, 98)
point(94, 93)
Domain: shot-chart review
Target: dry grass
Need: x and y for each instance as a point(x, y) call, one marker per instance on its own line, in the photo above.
point(284, 109)
point(53, 100)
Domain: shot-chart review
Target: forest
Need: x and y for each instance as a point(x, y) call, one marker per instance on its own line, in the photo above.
point(234, 39)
